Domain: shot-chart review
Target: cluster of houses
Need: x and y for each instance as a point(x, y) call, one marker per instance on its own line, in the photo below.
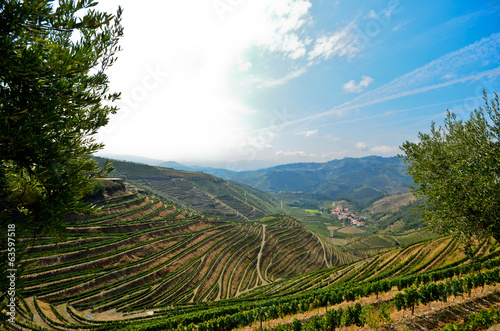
point(344, 215)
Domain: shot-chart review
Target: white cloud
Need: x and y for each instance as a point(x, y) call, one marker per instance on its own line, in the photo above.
point(289, 44)
point(202, 64)
point(400, 26)
point(294, 153)
point(449, 76)
point(260, 142)
point(371, 15)
point(332, 138)
point(384, 149)
point(244, 66)
point(470, 58)
point(339, 112)
point(352, 87)
point(308, 133)
point(279, 30)
point(280, 81)
point(361, 145)
point(343, 42)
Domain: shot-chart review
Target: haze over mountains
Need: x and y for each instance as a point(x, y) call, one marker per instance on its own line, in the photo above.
point(356, 178)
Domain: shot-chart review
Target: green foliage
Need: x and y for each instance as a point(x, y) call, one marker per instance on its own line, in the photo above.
point(297, 325)
point(369, 316)
point(455, 168)
point(53, 99)
point(384, 315)
point(361, 179)
point(197, 191)
point(476, 321)
point(409, 214)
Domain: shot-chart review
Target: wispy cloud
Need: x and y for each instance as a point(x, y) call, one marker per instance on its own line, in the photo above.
point(294, 153)
point(352, 87)
point(400, 26)
point(463, 63)
point(384, 149)
point(308, 133)
point(343, 42)
point(329, 137)
point(361, 145)
point(448, 28)
point(284, 19)
point(466, 59)
point(244, 66)
point(280, 81)
point(349, 40)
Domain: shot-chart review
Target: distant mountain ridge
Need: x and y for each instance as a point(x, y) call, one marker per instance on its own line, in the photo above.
point(358, 178)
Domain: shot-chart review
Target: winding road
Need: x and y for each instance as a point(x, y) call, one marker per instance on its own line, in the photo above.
point(260, 254)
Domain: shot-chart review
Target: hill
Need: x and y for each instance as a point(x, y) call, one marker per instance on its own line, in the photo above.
point(358, 178)
point(141, 253)
point(145, 265)
point(198, 191)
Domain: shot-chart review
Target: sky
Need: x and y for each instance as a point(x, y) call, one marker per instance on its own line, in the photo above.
point(246, 84)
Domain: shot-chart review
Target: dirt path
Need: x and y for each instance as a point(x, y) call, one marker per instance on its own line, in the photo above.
point(37, 319)
point(260, 254)
point(324, 251)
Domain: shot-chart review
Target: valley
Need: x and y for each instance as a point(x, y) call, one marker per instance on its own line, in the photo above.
point(165, 255)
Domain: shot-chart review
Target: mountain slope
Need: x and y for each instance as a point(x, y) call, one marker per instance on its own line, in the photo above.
point(357, 178)
point(198, 191)
point(143, 265)
point(142, 253)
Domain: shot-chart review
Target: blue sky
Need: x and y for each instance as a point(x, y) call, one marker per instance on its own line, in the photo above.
point(242, 84)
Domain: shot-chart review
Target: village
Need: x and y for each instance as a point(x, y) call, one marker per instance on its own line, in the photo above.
point(344, 215)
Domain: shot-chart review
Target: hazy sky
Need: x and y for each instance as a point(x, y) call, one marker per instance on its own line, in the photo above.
point(248, 83)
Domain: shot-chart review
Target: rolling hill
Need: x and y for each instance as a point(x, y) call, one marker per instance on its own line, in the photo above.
point(198, 191)
point(145, 265)
point(359, 178)
point(141, 253)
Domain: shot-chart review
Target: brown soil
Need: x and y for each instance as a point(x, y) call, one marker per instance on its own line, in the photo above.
point(75, 256)
point(124, 273)
point(133, 215)
point(119, 209)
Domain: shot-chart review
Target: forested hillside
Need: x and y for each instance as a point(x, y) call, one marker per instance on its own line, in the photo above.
point(359, 179)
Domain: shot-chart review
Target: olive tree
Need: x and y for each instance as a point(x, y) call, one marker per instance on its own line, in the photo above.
point(54, 97)
point(456, 170)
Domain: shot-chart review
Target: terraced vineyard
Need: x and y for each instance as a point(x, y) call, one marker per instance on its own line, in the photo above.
point(377, 243)
point(420, 257)
point(198, 191)
point(145, 265)
point(140, 253)
point(250, 279)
